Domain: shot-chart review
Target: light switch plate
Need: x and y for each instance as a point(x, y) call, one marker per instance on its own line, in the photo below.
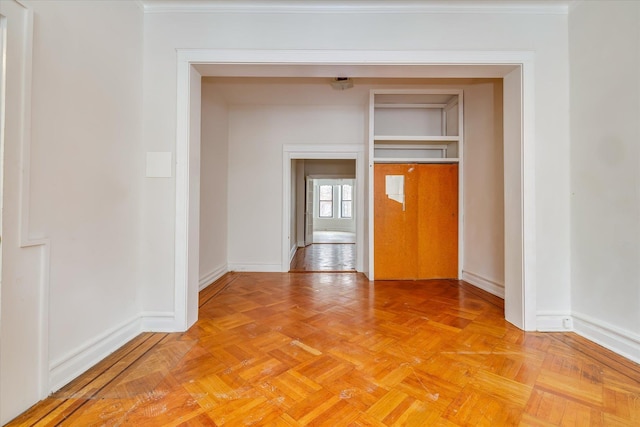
point(158, 165)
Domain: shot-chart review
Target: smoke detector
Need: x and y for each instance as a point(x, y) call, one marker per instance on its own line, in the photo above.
point(342, 83)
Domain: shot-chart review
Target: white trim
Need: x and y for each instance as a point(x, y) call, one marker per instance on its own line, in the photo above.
point(292, 252)
point(74, 363)
point(483, 283)
point(618, 340)
point(525, 59)
point(152, 321)
point(395, 7)
point(351, 57)
point(256, 268)
point(212, 276)
point(528, 210)
point(554, 321)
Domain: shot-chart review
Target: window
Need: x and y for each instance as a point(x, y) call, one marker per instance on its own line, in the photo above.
point(347, 202)
point(326, 201)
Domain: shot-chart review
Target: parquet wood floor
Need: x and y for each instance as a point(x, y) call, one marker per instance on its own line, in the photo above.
point(336, 350)
point(336, 257)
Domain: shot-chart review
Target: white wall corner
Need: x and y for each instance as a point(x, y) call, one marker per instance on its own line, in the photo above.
point(620, 341)
point(78, 361)
point(483, 283)
point(554, 321)
point(210, 277)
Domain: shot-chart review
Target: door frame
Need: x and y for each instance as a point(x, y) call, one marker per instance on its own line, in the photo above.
point(517, 69)
point(322, 152)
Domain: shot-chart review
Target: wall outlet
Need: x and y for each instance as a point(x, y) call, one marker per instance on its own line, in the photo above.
point(567, 323)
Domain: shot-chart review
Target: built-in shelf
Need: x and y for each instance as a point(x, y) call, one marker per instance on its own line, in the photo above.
point(415, 160)
point(416, 126)
point(419, 138)
point(413, 129)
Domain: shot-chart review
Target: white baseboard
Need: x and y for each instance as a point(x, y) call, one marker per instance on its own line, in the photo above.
point(554, 321)
point(256, 268)
point(292, 253)
point(212, 276)
point(485, 284)
point(76, 362)
point(623, 342)
point(301, 243)
point(159, 322)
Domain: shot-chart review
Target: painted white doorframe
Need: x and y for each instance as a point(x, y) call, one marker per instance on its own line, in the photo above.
point(521, 310)
point(323, 152)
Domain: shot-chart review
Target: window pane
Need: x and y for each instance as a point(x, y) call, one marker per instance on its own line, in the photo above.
point(326, 209)
point(346, 209)
point(326, 192)
point(346, 192)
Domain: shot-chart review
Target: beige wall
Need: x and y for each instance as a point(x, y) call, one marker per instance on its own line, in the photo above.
point(605, 172)
point(86, 173)
point(214, 184)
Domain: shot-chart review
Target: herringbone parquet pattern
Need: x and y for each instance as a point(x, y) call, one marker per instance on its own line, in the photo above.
point(337, 350)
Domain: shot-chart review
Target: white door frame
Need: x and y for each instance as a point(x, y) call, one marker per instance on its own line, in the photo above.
point(520, 239)
point(322, 152)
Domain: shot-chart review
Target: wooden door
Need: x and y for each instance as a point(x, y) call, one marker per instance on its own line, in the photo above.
point(417, 239)
point(395, 239)
point(438, 221)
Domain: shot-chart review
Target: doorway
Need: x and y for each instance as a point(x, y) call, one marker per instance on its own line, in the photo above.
point(325, 215)
point(515, 68)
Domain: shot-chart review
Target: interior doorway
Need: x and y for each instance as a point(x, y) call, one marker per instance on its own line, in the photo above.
point(516, 70)
point(324, 215)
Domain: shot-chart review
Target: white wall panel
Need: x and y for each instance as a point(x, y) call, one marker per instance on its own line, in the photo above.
point(605, 165)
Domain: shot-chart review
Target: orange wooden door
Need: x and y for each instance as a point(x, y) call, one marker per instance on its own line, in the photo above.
point(395, 244)
point(417, 239)
point(438, 221)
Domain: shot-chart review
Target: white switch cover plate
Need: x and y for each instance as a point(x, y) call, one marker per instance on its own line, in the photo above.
point(158, 165)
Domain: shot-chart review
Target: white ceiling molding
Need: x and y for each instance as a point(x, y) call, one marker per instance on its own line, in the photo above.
point(548, 7)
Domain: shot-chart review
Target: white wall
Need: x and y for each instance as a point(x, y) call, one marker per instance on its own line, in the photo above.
point(86, 168)
point(213, 184)
point(483, 178)
point(87, 165)
point(256, 136)
point(164, 32)
point(605, 172)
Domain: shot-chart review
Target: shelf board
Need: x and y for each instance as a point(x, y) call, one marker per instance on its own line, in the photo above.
point(415, 160)
point(418, 138)
point(407, 106)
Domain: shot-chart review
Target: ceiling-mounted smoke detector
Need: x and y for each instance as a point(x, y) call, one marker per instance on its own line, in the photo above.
point(341, 83)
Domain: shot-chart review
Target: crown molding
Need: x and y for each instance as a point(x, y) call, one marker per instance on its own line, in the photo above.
point(548, 7)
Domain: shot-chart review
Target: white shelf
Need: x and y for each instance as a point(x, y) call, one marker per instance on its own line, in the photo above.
point(419, 138)
point(404, 106)
point(415, 160)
